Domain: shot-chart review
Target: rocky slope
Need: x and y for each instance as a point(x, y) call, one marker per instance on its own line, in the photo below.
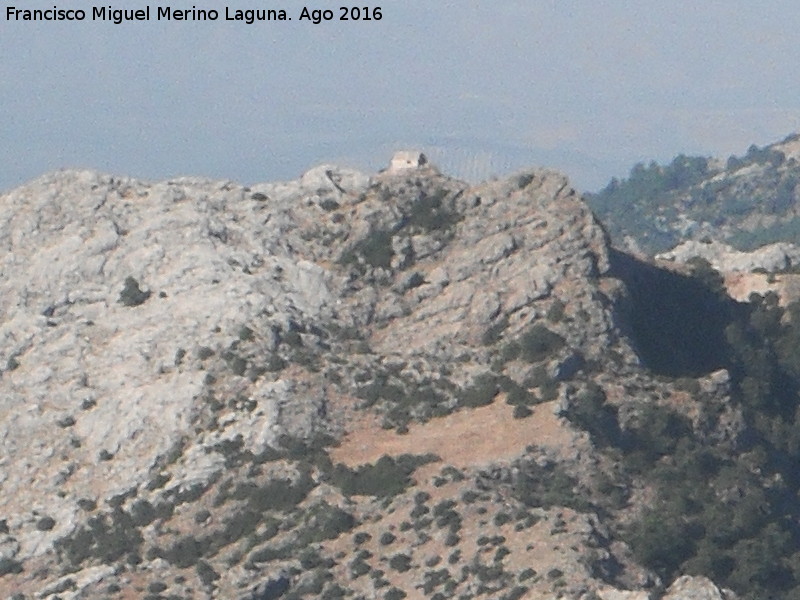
point(761, 271)
point(341, 386)
point(746, 201)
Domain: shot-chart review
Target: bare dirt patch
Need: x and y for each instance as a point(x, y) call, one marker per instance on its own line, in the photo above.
point(466, 438)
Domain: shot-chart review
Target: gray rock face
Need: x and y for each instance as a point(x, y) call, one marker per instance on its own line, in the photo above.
point(683, 588)
point(772, 257)
point(98, 384)
point(696, 588)
point(153, 334)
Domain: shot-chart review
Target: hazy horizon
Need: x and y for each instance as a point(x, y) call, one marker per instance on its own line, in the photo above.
point(585, 88)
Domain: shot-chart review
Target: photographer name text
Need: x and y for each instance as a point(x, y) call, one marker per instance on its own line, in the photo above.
point(118, 16)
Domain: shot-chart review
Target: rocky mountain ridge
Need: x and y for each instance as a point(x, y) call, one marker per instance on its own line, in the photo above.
point(188, 367)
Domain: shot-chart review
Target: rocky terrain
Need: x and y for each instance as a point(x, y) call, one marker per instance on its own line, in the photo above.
point(350, 386)
point(746, 202)
point(761, 271)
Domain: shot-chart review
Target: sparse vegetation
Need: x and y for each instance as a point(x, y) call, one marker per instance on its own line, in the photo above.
point(106, 537)
point(546, 486)
point(717, 471)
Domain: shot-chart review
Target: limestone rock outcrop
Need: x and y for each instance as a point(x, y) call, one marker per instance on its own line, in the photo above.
point(177, 357)
point(696, 588)
point(772, 257)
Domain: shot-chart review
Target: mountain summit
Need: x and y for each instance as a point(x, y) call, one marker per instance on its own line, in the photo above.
point(352, 386)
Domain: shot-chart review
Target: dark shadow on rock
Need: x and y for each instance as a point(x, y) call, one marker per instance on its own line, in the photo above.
point(676, 322)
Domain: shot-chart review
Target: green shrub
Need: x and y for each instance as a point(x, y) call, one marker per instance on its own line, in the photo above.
point(9, 566)
point(470, 496)
point(326, 522)
point(495, 332)
point(501, 519)
point(202, 516)
point(522, 412)
point(590, 411)
point(655, 432)
point(156, 586)
point(310, 559)
point(481, 392)
point(400, 562)
point(387, 538)
point(501, 553)
point(206, 573)
point(516, 593)
point(434, 579)
point(546, 486)
point(375, 250)
point(660, 542)
point(204, 352)
point(142, 513)
point(87, 504)
point(539, 343)
point(333, 592)
point(488, 572)
point(555, 313)
point(106, 537)
point(421, 497)
point(329, 204)
point(452, 473)
point(271, 553)
point(517, 395)
point(394, 594)
point(186, 552)
point(131, 294)
point(275, 494)
point(358, 568)
point(387, 477)
point(361, 537)
point(429, 213)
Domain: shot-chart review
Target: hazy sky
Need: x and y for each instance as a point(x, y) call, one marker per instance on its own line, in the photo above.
point(587, 87)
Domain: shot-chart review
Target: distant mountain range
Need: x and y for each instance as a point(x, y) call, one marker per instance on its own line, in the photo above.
point(746, 201)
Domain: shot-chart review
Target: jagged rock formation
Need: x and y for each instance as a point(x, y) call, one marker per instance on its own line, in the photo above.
point(189, 370)
point(761, 271)
point(770, 258)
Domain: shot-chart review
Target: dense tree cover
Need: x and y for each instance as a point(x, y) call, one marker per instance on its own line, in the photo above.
point(656, 204)
point(731, 517)
point(626, 206)
point(782, 230)
point(728, 511)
